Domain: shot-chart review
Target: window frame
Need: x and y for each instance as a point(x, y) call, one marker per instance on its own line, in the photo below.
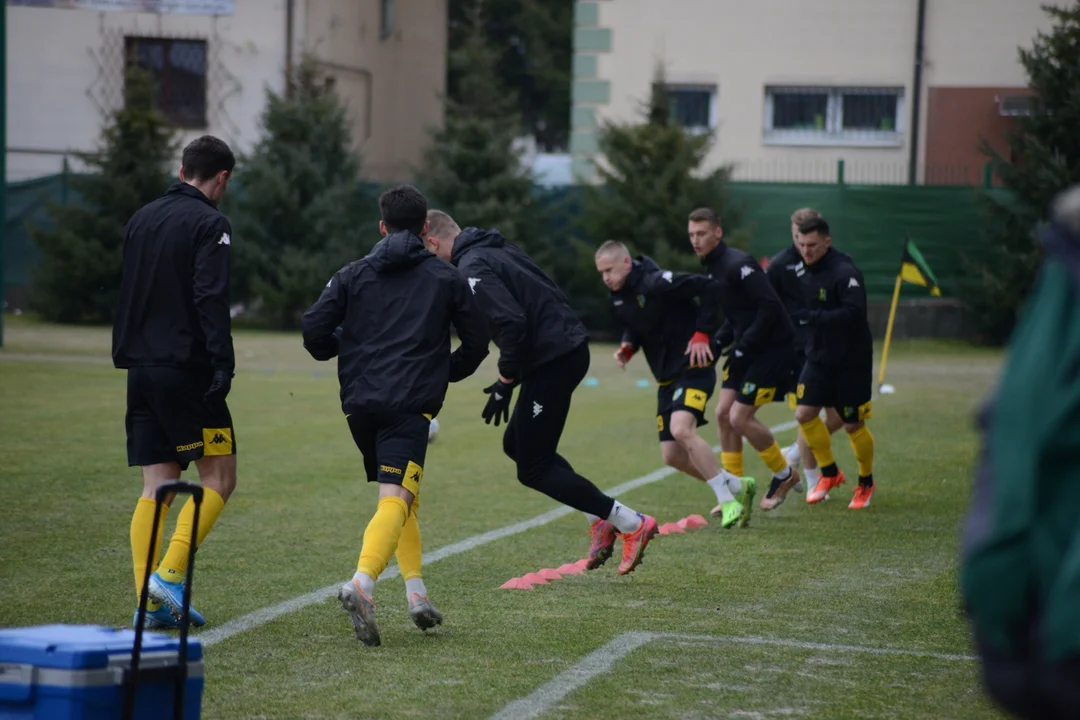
point(181, 121)
point(387, 18)
point(834, 133)
point(714, 95)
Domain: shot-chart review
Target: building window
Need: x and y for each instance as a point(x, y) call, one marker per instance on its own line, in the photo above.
point(386, 21)
point(834, 116)
point(178, 68)
point(692, 106)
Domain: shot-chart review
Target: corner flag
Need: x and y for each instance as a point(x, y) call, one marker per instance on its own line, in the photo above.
point(913, 269)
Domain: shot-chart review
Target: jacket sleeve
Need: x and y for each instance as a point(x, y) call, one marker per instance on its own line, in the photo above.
point(775, 274)
point(689, 286)
point(324, 317)
point(505, 316)
point(849, 290)
point(769, 308)
point(211, 293)
point(472, 331)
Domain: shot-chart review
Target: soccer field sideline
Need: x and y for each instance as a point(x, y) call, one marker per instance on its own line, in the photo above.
point(265, 615)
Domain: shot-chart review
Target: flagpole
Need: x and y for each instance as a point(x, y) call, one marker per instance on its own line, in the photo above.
point(888, 330)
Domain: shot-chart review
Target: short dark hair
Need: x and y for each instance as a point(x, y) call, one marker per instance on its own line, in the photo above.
point(814, 225)
point(403, 208)
point(705, 215)
point(205, 157)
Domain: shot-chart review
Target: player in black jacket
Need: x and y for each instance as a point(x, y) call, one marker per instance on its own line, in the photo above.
point(785, 271)
point(839, 367)
point(172, 334)
point(759, 366)
point(662, 312)
point(394, 309)
point(543, 347)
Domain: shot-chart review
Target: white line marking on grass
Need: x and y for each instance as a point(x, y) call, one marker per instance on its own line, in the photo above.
point(603, 660)
point(262, 616)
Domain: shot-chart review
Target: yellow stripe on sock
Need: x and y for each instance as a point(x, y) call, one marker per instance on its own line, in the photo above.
point(817, 437)
point(773, 458)
point(409, 549)
point(862, 442)
point(382, 536)
point(732, 462)
point(142, 521)
point(174, 567)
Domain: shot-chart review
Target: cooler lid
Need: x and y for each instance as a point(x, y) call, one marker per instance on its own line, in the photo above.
point(77, 647)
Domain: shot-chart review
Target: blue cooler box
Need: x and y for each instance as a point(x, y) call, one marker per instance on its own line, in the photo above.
point(76, 672)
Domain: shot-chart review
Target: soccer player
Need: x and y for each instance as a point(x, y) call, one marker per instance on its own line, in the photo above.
point(839, 360)
point(662, 311)
point(394, 309)
point(543, 348)
point(760, 360)
point(785, 271)
point(173, 336)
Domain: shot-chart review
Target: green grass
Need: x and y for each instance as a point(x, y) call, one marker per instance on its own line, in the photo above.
point(883, 578)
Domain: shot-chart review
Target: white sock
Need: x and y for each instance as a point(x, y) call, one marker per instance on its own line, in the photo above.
point(367, 583)
point(592, 518)
point(623, 518)
point(812, 476)
point(783, 474)
point(719, 484)
point(415, 585)
point(734, 482)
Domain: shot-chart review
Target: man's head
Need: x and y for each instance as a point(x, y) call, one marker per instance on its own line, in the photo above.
point(813, 240)
point(705, 231)
point(441, 233)
point(801, 217)
point(614, 263)
point(403, 209)
point(207, 164)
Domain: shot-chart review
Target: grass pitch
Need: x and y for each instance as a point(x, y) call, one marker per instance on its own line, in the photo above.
point(802, 575)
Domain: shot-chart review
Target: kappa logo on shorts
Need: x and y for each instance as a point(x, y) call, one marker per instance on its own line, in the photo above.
point(390, 469)
point(696, 399)
point(413, 475)
point(218, 441)
point(764, 396)
point(189, 446)
point(537, 409)
point(678, 394)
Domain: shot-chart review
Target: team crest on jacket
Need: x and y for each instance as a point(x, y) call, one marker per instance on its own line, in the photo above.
point(641, 301)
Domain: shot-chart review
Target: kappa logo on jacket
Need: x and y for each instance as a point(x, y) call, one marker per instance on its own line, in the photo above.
point(472, 284)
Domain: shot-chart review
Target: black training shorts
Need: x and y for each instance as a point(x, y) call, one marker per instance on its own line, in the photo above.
point(846, 389)
point(760, 377)
point(169, 421)
point(394, 446)
point(689, 393)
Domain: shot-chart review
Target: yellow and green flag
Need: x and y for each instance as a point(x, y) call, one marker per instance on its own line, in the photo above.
point(913, 269)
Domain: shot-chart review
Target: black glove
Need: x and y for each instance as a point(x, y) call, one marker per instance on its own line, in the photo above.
point(219, 387)
point(803, 317)
point(498, 404)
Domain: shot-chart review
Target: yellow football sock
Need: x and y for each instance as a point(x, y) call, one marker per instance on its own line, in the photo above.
point(862, 442)
point(142, 521)
point(732, 462)
point(409, 551)
point(174, 567)
point(382, 536)
point(817, 437)
point(773, 458)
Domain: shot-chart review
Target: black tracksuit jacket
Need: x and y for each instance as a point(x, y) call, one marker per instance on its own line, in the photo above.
point(529, 317)
point(754, 316)
point(395, 308)
point(836, 297)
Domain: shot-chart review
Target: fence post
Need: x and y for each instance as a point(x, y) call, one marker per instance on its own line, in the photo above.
point(840, 171)
point(988, 175)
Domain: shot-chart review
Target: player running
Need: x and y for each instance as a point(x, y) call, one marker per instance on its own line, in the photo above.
point(543, 350)
point(394, 309)
point(662, 311)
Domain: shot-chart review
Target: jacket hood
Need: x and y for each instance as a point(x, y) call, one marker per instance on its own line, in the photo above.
point(642, 264)
point(472, 237)
point(398, 251)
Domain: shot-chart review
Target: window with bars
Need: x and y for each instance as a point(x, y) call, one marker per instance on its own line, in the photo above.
point(834, 116)
point(178, 68)
point(692, 106)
